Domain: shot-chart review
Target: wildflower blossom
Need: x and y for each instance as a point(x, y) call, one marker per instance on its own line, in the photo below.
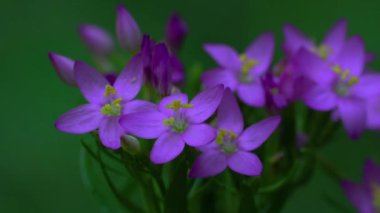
point(127, 30)
point(242, 73)
point(233, 145)
point(107, 103)
point(175, 122)
point(365, 196)
point(340, 85)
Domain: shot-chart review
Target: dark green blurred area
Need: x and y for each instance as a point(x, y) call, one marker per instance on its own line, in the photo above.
point(40, 166)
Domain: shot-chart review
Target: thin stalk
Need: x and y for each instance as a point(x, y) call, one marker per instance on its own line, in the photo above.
point(125, 202)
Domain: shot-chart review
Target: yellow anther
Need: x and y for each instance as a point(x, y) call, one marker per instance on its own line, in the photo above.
point(112, 109)
point(323, 51)
point(274, 91)
point(353, 80)
point(248, 64)
point(376, 195)
point(176, 105)
point(225, 134)
point(110, 90)
point(337, 69)
point(345, 74)
point(169, 121)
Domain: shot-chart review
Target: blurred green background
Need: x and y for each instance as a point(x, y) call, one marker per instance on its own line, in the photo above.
point(40, 166)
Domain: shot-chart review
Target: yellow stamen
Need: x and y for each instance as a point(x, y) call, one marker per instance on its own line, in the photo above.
point(337, 69)
point(112, 109)
point(110, 90)
point(223, 133)
point(345, 74)
point(176, 105)
point(169, 121)
point(248, 63)
point(353, 80)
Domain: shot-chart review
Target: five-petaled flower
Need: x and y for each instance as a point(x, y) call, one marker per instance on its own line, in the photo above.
point(233, 145)
point(340, 85)
point(176, 122)
point(107, 103)
point(242, 73)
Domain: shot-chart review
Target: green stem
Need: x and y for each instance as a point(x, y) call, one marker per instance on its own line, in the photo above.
point(125, 202)
point(95, 157)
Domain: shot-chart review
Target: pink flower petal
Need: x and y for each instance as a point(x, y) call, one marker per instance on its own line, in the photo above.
point(245, 163)
point(205, 104)
point(129, 82)
point(219, 76)
point(167, 147)
point(199, 134)
point(252, 94)
point(262, 50)
point(353, 115)
point(224, 55)
point(91, 83)
point(146, 124)
point(208, 164)
point(255, 135)
point(110, 132)
point(83, 119)
point(229, 114)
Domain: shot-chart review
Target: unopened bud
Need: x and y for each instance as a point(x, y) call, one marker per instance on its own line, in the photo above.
point(130, 144)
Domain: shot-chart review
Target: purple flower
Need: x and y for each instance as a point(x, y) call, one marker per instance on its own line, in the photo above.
point(161, 68)
point(373, 112)
point(176, 122)
point(176, 31)
point(294, 40)
point(242, 73)
point(340, 85)
point(127, 30)
point(233, 145)
point(97, 40)
point(64, 67)
point(107, 103)
point(365, 196)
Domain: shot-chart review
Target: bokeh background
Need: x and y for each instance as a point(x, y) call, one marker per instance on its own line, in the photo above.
point(39, 166)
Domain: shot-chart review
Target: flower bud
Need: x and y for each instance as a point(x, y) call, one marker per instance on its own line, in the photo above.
point(64, 67)
point(127, 31)
point(147, 45)
point(176, 31)
point(162, 69)
point(130, 144)
point(97, 40)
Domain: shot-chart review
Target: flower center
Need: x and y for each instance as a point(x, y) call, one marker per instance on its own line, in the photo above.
point(113, 108)
point(376, 195)
point(177, 123)
point(323, 51)
point(226, 139)
point(345, 82)
point(248, 64)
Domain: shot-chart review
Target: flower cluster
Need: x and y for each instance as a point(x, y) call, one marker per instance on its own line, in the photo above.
point(146, 99)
